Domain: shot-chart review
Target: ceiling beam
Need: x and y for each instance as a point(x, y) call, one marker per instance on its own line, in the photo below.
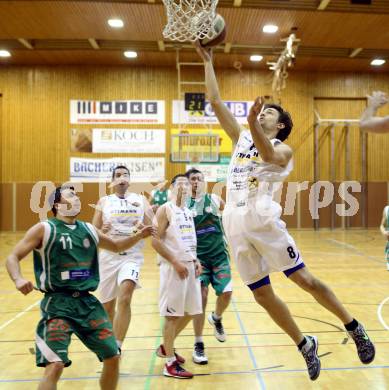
point(94, 43)
point(323, 5)
point(26, 43)
point(355, 52)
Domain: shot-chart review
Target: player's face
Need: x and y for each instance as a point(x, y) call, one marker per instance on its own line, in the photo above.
point(196, 180)
point(268, 118)
point(121, 179)
point(181, 186)
point(70, 205)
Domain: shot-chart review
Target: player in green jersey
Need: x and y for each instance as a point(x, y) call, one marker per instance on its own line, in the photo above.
point(384, 227)
point(160, 195)
point(66, 270)
point(213, 255)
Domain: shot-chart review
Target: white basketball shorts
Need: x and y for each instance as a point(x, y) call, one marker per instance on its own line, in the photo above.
point(259, 241)
point(114, 269)
point(179, 296)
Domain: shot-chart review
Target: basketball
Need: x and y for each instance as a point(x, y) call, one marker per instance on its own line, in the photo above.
point(220, 27)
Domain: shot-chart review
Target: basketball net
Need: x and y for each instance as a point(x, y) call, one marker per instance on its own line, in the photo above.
point(190, 20)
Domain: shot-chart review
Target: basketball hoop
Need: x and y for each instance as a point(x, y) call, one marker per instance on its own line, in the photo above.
point(190, 20)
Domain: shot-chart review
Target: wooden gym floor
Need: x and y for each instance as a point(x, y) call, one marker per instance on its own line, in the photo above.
point(257, 355)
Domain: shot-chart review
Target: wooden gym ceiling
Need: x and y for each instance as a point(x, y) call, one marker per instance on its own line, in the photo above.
point(76, 32)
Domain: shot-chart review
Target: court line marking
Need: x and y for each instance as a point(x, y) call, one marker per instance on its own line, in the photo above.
point(153, 356)
point(379, 313)
point(356, 250)
point(267, 371)
point(250, 350)
point(20, 314)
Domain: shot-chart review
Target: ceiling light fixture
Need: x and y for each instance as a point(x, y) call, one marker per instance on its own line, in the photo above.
point(256, 58)
point(270, 28)
point(5, 53)
point(377, 62)
point(130, 54)
point(116, 23)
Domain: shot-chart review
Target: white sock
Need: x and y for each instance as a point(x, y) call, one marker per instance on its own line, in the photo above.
point(307, 345)
point(198, 339)
point(119, 343)
point(216, 317)
point(170, 360)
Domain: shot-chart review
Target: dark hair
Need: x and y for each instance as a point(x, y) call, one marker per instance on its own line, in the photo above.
point(119, 167)
point(55, 197)
point(192, 171)
point(177, 177)
point(285, 119)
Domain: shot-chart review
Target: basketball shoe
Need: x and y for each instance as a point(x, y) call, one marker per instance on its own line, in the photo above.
point(218, 328)
point(162, 353)
point(309, 351)
point(199, 354)
point(365, 347)
point(176, 371)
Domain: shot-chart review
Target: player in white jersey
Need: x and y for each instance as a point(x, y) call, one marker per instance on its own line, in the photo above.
point(369, 121)
point(180, 291)
point(257, 236)
point(119, 215)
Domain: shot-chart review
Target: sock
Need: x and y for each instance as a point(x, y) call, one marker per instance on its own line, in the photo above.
point(216, 317)
point(199, 339)
point(352, 325)
point(119, 343)
point(170, 360)
point(302, 343)
point(305, 344)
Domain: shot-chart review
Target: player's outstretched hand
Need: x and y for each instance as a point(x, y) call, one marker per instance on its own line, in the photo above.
point(377, 99)
point(181, 269)
point(198, 269)
point(204, 52)
point(24, 286)
point(255, 109)
point(147, 230)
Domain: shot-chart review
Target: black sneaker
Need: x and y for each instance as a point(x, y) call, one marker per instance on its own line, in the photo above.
point(218, 329)
point(365, 347)
point(311, 357)
point(199, 354)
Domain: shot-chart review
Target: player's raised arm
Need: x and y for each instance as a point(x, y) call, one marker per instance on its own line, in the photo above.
point(29, 242)
point(223, 114)
point(280, 154)
point(370, 122)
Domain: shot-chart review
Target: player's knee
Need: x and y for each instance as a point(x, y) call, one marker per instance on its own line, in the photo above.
point(54, 370)
point(310, 283)
point(226, 295)
point(263, 295)
point(112, 362)
point(125, 299)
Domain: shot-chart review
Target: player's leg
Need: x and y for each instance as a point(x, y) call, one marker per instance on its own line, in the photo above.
point(94, 329)
point(387, 255)
point(279, 312)
point(123, 312)
point(222, 284)
point(325, 296)
point(110, 374)
point(52, 340)
point(110, 308)
point(53, 372)
point(198, 355)
point(252, 267)
point(172, 307)
point(108, 287)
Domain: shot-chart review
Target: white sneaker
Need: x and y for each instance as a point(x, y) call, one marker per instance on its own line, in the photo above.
point(199, 354)
point(218, 329)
